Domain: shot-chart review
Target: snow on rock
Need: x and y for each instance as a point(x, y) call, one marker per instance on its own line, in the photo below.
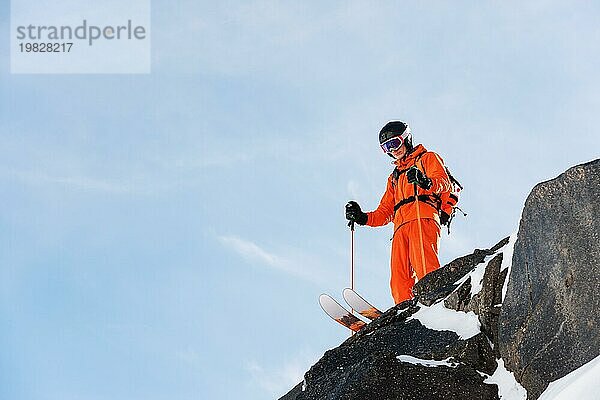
point(508, 387)
point(467, 310)
point(407, 352)
point(549, 322)
point(439, 318)
point(581, 384)
point(477, 276)
point(508, 251)
point(427, 363)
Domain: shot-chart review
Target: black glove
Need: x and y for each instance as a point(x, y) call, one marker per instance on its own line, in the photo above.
point(414, 175)
point(444, 218)
point(354, 213)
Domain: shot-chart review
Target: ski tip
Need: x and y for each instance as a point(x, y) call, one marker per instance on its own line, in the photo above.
point(324, 298)
point(349, 292)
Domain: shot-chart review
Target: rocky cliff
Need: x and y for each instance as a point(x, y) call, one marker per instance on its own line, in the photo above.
point(550, 319)
point(468, 320)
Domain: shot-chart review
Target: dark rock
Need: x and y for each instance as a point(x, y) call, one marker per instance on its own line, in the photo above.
point(440, 283)
point(294, 393)
point(491, 287)
point(366, 365)
point(501, 279)
point(486, 303)
point(547, 327)
point(500, 244)
point(382, 376)
point(460, 298)
point(430, 298)
point(476, 352)
point(550, 322)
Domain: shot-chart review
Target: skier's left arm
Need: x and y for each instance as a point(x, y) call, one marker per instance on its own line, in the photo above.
point(433, 168)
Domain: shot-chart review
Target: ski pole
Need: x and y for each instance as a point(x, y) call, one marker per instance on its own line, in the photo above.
point(351, 225)
point(352, 255)
point(420, 229)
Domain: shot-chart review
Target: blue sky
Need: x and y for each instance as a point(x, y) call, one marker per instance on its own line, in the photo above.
point(166, 236)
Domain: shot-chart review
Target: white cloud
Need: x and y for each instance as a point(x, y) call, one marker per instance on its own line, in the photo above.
point(252, 252)
point(79, 182)
point(277, 381)
point(353, 189)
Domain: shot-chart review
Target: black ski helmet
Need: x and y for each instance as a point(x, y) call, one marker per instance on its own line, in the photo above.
point(397, 128)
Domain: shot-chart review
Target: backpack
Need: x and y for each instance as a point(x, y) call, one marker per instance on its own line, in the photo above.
point(446, 203)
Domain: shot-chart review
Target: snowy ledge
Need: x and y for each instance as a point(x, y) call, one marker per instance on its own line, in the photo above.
point(508, 387)
point(440, 318)
point(465, 325)
point(581, 384)
point(427, 363)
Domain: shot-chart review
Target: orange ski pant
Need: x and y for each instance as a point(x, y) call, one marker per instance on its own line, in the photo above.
point(406, 259)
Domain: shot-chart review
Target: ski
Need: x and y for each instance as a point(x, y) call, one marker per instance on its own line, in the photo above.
point(336, 311)
point(359, 304)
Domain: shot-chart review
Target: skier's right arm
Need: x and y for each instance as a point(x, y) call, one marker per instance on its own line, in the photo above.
point(385, 211)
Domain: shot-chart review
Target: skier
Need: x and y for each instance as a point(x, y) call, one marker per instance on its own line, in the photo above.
point(416, 218)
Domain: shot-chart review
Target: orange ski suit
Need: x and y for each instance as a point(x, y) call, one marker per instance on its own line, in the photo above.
point(415, 240)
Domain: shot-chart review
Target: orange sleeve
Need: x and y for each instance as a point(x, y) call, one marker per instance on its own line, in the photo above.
point(433, 166)
point(385, 211)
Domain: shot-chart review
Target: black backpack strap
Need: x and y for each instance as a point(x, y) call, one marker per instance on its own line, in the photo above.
point(425, 198)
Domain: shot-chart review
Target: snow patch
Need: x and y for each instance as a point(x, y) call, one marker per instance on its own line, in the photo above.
point(439, 318)
point(477, 276)
point(508, 387)
point(581, 384)
point(508, 251)
point(401, 310)
point(427, 363)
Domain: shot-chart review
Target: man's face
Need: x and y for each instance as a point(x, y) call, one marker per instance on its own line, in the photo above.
point(399, 153)
point(395, 146)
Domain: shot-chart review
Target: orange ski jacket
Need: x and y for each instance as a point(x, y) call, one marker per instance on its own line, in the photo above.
point(399, 190)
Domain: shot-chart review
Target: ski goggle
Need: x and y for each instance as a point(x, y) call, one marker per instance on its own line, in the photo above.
point(392, 144)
